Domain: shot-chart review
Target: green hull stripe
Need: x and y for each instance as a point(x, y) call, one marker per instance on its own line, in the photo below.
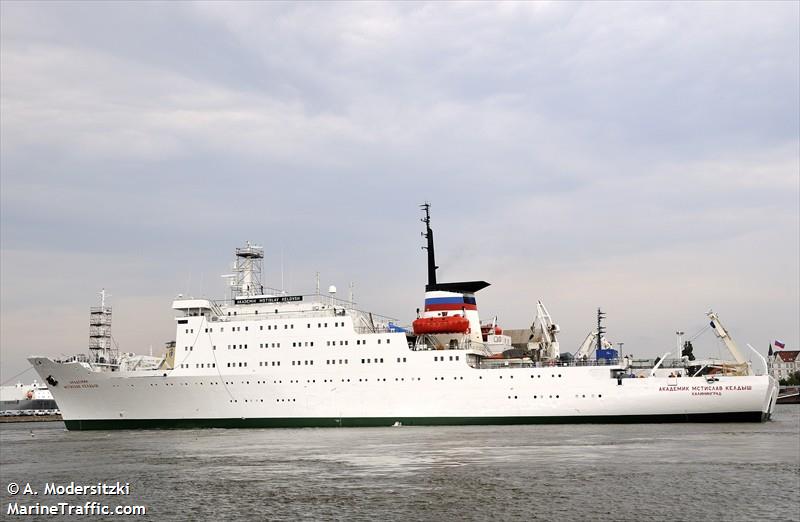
point(350, 422)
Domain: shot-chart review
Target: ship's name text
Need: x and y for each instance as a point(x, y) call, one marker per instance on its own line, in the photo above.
point(80, 384)
point(282, 299)
point(718, 388)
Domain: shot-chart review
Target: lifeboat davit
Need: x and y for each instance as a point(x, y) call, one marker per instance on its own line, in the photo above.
point(441, 325)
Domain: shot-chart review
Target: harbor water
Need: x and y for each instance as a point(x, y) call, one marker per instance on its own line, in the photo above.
point(564, 472)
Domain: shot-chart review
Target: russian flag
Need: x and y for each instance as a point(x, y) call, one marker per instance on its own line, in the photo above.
point(779, 345)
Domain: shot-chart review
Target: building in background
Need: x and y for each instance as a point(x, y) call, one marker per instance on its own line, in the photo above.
point(784, 363)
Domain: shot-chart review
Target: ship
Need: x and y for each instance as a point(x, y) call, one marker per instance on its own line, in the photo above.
point(26, 399)
point(263, 358)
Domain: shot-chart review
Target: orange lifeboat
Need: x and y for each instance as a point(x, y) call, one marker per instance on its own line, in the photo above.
point(441, 325)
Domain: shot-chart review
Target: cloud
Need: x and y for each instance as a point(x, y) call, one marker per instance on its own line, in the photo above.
point(581, 152)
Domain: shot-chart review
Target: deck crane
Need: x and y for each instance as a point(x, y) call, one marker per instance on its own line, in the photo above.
point(589, 344)
point(542, 343)
point(743, 366)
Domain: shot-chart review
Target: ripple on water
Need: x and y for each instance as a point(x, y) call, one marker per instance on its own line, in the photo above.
point(586, 472)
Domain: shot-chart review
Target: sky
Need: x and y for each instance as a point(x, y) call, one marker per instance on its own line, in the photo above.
point(642, 157)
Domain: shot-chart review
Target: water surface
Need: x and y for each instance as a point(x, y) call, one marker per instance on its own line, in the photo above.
point(572, 472)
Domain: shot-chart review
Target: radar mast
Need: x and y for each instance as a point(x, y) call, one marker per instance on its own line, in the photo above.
point(100, 345)
point(247, 271)
point(428, 234)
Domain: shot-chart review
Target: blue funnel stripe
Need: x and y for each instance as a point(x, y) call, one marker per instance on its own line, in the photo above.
point(444, 300)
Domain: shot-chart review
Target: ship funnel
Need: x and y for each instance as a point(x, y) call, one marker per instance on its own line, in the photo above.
point(449, 299)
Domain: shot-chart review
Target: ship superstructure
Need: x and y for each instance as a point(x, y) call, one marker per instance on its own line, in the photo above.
point(264, 358)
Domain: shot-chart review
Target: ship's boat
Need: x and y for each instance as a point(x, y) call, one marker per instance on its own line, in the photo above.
point(441, 325)
point(487, 329)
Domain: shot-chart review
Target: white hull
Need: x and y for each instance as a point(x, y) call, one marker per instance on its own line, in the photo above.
point(419, 391)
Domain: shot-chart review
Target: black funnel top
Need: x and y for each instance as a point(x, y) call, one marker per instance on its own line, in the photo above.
point(463, 287)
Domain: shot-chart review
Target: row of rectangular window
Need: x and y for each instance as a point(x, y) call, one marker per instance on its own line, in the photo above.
point(288, 326)
point(297, 344)
point(274, 363)
point(269, 327)
point(200, 365)
point(440, 358)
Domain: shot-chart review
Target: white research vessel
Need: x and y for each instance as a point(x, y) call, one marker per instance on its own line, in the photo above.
point(266, 359)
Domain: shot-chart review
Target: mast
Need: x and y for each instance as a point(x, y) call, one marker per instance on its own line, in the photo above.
point(428, 234)
point(247, 271)
point(601, 330)
point(100, 345)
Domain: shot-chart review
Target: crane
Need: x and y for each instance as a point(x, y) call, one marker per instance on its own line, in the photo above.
point(542, 340)
point(723, 334)
point(589, 344)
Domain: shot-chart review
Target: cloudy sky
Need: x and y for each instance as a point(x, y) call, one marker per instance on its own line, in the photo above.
point(642, 157)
